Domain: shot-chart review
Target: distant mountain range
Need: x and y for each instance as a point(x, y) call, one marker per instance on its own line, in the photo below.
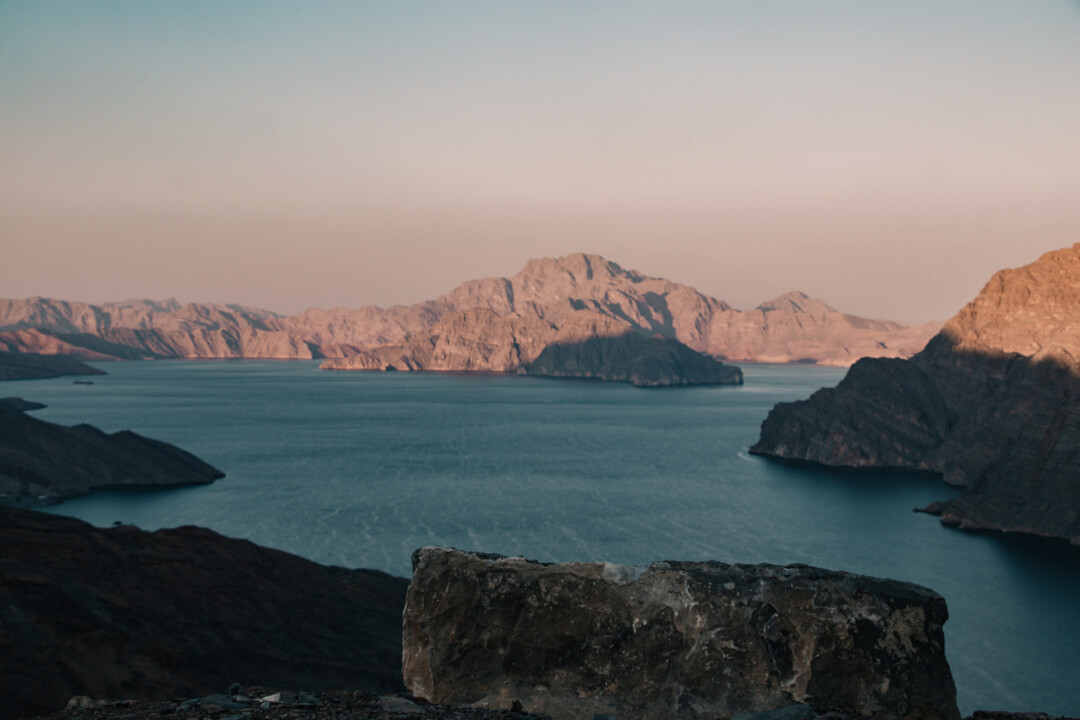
point(492, 324)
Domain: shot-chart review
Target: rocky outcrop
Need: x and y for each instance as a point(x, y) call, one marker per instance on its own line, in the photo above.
point(632, 358)
point(24, 366)
point(673, 640)
point(992, 405)
point(42, 462)
point(122, 613)
point(525, 309)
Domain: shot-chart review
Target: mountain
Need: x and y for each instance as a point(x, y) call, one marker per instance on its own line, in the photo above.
point(992, 405)
point(147, 329)
point(549, 293)
point(42, 462)
point(493, 324)
point(123, 613)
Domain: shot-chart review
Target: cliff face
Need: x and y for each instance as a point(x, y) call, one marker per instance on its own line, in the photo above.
point(41, 462)
point(123, 613)
point(992, 404)
point(534, 305)
point(675, 639)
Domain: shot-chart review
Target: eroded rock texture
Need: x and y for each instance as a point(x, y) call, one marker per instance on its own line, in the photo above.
point(992, 405)
point(674, 640)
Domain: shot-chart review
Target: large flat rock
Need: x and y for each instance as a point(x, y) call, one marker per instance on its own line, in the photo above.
point(673, 640)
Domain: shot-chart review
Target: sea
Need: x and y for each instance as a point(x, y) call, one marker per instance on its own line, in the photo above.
point(360, 469)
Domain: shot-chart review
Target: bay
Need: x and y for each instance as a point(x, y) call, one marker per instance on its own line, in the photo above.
point(360, 469)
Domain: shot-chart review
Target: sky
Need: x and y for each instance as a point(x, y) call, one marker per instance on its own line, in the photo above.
point(886, 157)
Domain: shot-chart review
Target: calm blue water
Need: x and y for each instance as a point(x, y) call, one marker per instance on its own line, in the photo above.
point(359, 469)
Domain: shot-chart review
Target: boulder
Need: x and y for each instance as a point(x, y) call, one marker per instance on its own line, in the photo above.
point(671, 640)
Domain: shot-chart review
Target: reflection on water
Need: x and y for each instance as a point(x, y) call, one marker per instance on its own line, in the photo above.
point(359, 469)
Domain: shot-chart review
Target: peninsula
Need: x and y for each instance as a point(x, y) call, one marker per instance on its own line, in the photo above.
point(992, 405)
point(42, 463)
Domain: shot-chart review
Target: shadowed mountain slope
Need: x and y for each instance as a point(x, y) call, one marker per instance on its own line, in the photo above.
point(992, 404)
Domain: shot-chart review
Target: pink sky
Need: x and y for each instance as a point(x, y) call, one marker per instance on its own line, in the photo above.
point(886, 157)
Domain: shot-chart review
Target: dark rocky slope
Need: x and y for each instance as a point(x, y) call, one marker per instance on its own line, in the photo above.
point(992, 405)
point(122, 613)
point(32, 366)
point(42, 462)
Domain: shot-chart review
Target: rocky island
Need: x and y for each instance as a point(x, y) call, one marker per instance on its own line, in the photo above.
point(42, 462)
point(632, 358)
point(992, 405)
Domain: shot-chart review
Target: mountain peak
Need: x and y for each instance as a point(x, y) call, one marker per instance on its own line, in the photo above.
point(580, 266)
point(1029, 310)
point(797, 301)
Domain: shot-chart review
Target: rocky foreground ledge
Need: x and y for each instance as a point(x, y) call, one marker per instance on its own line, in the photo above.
point(672, 640)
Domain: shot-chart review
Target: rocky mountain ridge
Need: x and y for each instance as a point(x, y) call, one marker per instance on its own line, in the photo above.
point(527, 309)
point(992, 405)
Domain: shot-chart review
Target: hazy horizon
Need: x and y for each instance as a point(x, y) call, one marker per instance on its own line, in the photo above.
point(887, 158)
point(219, 302)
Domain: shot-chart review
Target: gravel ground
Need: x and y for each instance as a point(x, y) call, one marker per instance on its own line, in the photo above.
point(261, 703)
